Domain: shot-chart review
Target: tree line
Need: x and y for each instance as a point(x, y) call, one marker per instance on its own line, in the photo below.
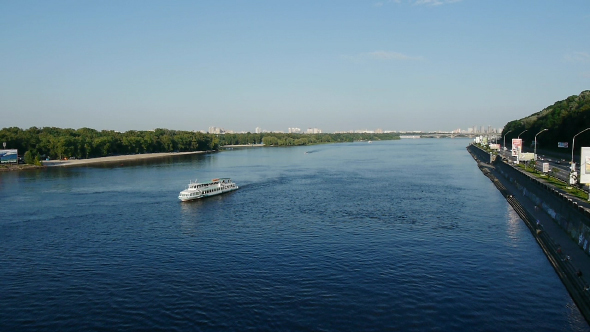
point(57, 143)
point(308, 139)
point(284, 139)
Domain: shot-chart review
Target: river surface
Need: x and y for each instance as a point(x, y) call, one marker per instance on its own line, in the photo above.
point(403, 235)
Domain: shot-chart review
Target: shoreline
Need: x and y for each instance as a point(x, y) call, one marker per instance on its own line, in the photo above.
point(19, 167)
point(110, 159)
point(242, 146)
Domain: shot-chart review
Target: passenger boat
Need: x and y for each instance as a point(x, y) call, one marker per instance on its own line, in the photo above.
point(198, 190)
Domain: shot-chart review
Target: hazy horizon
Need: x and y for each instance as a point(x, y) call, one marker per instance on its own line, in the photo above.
point(429, 65)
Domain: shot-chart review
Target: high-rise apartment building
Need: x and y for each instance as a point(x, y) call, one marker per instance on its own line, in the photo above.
point(216, 130)
point(313, 131)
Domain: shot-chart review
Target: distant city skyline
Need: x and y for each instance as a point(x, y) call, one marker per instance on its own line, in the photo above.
point(399, 65)
point(295, 130)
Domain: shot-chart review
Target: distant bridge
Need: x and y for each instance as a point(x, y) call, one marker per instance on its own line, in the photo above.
point(440, 135)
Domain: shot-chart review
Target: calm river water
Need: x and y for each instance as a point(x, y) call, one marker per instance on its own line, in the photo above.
point(403, 235)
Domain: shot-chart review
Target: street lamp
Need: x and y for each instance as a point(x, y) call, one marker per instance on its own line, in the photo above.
point(573, 140)
point(505, 138)
point(518, 151)
point(536, 142)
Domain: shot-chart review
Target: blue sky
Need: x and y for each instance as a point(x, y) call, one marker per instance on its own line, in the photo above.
point(334, 65)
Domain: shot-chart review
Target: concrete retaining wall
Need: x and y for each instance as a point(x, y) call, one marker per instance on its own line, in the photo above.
point(565, 211)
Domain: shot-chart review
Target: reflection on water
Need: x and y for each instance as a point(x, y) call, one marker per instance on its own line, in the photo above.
point(190, 209)
point(514, 223)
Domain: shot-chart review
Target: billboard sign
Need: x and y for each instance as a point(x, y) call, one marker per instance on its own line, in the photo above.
point(585, 165)
point(562, 144)
point(526, 156)
point(516, 146)
point(9, 156)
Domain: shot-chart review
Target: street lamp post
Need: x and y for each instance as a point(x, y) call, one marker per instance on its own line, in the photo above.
point(518, 152)
point(536, 142)
point(573, 140)
point(505, 138)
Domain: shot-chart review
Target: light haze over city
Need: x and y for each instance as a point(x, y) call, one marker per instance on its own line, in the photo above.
point(401, 65)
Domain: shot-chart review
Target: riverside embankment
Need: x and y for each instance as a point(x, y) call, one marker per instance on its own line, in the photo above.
point(558, 222)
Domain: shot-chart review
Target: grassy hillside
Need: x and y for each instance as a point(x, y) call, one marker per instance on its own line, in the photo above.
point(564, 119)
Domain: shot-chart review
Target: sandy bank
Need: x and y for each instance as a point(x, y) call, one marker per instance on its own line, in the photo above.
point(80, 162)
point(243, 146)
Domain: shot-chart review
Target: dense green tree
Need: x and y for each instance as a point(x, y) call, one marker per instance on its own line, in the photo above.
point(28, 158)
point(270, 141)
